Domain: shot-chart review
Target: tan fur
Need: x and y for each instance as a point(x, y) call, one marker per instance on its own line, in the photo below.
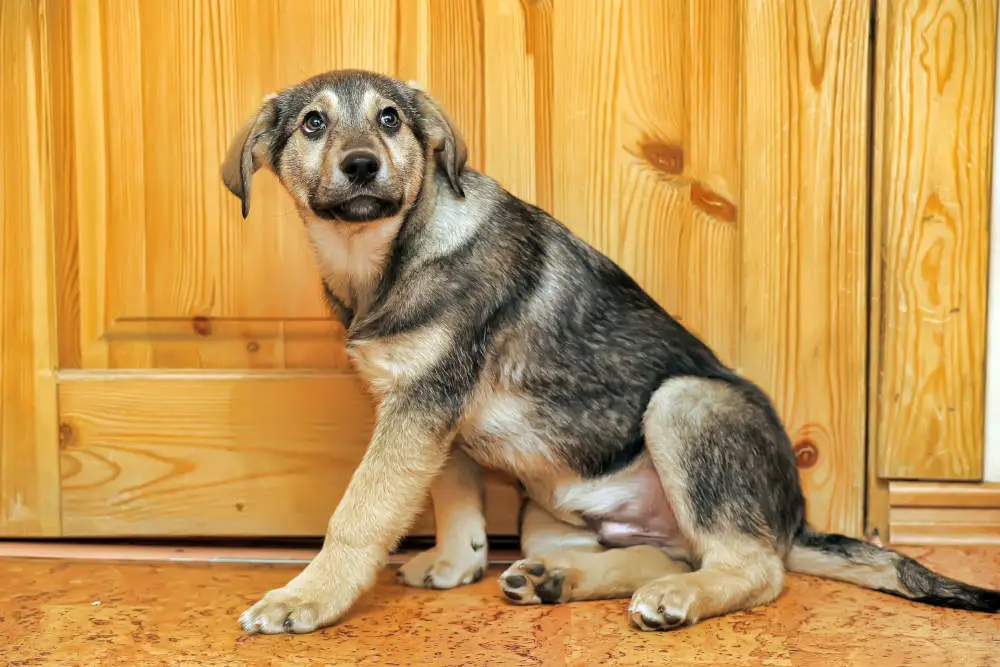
point(350, 256)
point(736, 571)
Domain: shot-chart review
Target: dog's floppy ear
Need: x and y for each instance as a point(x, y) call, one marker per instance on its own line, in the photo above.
point(449, 147)
point(249, 150)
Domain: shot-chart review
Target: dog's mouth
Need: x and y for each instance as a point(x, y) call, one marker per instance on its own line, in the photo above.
point(360, 208)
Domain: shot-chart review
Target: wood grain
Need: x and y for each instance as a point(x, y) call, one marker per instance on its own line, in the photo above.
point(803, 242)
point(222, 454)
point(29, 441)
point(931, 209)
point(714, 149)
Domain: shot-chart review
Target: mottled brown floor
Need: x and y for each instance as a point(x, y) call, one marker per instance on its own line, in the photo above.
point(186, 614)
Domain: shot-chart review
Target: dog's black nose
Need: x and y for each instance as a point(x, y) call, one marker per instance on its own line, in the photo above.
point(360, 167)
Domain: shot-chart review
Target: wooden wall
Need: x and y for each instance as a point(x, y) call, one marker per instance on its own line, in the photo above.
point(717, 149)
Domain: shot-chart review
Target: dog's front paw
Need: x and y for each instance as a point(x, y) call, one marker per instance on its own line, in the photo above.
point(444, 568)
point(287, 610)
point(532, 581)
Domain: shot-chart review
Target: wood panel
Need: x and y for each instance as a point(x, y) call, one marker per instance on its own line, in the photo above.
point(29, 440)
point(222, 454)
point(171, 276)
point(803, 243)
point(931, 200)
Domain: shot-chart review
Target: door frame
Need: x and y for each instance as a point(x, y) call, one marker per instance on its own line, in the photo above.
point(991, 459)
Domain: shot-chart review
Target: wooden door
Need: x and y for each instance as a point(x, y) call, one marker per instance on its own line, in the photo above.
point(192, 383)
point(932, 168)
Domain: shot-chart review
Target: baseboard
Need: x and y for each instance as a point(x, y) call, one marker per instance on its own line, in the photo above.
point(502, 552)
point(942, 513)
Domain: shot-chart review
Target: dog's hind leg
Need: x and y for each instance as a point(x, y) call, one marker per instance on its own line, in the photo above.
point(722, 463)
point(565, 563)
point(459, 555)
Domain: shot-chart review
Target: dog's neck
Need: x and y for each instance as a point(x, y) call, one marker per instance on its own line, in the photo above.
point(351, 258)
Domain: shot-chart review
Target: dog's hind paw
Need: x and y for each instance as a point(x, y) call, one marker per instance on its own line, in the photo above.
point(531, 581)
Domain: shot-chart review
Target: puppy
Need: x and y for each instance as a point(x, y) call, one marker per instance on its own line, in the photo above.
point(491, 336)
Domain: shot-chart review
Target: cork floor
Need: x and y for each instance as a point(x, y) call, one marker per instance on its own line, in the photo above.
point(70, 612)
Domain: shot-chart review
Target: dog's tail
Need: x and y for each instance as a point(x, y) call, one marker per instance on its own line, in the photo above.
point(857, 562)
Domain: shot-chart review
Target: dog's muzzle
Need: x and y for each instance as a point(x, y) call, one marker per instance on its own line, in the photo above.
point(359, 208)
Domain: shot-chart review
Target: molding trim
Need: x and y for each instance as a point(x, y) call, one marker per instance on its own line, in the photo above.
point(942, 513)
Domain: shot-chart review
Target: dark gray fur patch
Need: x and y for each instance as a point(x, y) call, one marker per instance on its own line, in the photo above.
point(935, 589)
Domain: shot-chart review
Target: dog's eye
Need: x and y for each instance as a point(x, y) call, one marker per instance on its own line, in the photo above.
point(313, 123)
point(388, 118)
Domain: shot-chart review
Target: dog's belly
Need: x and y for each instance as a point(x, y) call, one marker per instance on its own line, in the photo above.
point(626, 508)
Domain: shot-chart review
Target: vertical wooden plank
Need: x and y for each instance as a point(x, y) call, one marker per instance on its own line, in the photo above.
point(368, 35)
point(64, 197)
point(455, 70)
point(707, 256)
point(509, 99)
point(538, 44)
point(803, 241)
point(29, 435)
point(125, 233)
point(586, 99)
point(91, 161)
point(931, 208)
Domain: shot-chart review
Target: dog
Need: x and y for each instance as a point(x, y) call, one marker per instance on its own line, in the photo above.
point(491, 336)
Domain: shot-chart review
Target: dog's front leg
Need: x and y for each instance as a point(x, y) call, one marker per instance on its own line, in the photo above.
point(383, 498)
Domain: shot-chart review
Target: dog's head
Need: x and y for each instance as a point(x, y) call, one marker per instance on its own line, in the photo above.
point(348, 145)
